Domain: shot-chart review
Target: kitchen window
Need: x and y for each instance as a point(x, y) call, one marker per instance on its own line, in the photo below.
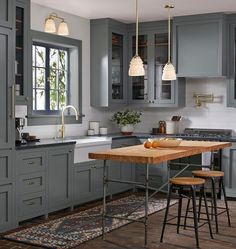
point(50, 74)
point(56, 76)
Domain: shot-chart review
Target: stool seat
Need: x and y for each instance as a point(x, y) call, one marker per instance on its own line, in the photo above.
point(207, 173)
point(187, 181)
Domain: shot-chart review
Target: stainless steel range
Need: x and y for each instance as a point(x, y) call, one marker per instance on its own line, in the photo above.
point(221, 135)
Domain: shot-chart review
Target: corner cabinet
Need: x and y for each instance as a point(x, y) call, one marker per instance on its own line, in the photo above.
point(150, 90)
point(109, 69)
point(231, 53)
point(200, 45)
point(22, 56)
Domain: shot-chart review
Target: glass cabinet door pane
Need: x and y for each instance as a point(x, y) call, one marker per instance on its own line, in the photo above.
point(162, 88)
point(19, 65)
point(117, 66)
point(139, 84)
point(235, 65)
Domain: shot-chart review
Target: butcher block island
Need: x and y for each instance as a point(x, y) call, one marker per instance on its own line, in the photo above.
point(138, 154)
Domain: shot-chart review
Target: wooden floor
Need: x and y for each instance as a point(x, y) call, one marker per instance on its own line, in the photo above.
point(131, 236)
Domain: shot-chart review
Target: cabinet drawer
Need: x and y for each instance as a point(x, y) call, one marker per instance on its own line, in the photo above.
point(31, 162)
point(31, 183)
point(31, 205)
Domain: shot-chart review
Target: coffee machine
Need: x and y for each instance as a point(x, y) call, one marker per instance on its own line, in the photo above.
point(19, 125)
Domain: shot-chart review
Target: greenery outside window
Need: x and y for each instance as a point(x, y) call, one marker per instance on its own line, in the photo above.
point(50, 78)
point(56, 78)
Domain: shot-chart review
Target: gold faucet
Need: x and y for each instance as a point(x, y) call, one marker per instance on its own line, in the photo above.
point(62, 130)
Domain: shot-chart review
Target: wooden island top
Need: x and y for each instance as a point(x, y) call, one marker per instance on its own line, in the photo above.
point(139, 154)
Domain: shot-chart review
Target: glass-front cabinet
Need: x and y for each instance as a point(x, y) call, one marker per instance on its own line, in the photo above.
point(117, 67)
point(22, 22)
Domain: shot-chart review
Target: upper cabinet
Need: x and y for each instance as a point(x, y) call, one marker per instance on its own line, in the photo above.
point(6, 13)
point(150, 90)
point(22, 27)
point(200, 45)
point(109, 69)
point(231, 53)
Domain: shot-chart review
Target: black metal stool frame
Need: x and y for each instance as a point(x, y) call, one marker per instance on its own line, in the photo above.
point(193, 197)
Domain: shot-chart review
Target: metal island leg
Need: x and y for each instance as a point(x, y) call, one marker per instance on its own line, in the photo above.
point(104, 199)
point(146, 204)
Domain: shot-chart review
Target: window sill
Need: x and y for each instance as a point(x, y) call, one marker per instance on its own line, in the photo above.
point(33, 120)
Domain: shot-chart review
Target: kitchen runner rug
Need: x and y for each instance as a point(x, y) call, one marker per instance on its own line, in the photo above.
point(74, 229)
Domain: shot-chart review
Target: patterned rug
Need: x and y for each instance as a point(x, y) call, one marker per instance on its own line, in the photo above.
point(74, 229)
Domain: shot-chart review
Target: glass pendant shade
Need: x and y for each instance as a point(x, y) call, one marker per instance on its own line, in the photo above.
point(136, 67)
point(63, 29)
point(50, 26)
point(168, 72)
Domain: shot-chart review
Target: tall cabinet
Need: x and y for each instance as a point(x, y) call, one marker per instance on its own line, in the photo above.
point(109, 68)
point(6, 115)
point(231, 89)
point(150, 90)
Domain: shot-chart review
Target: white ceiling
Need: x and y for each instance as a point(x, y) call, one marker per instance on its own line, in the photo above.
point(149, 10)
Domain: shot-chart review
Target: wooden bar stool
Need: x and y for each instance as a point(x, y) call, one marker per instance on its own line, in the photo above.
point(192, 184)
point(214, 176)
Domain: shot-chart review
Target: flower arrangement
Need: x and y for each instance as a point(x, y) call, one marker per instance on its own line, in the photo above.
point(127, 117)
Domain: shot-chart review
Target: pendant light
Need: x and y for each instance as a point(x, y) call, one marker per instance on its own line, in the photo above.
point(169, 70)
point(136, 64)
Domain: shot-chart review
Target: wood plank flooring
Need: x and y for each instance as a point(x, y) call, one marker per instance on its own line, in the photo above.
point(131, 236)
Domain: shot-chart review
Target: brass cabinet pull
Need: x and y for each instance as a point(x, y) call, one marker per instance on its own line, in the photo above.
point(31, 203)
point(30, 183)
point(30, 163)
point(12, 101)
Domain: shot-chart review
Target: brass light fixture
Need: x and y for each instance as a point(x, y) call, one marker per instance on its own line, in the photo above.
point(50, 25)
point(169, 70)
point(136, 64)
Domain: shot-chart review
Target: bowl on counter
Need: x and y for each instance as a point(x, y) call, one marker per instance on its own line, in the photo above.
point(168, 142)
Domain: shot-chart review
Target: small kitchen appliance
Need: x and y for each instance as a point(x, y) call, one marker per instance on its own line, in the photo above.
point(19, 125)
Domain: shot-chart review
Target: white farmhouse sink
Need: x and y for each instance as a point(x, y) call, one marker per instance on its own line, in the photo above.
point(86, 145)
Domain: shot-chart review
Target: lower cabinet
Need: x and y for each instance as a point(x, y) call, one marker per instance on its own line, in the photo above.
point(157, 174)
point(60, 163)
point(88, 181)
point(6, 207)
point(229, 168)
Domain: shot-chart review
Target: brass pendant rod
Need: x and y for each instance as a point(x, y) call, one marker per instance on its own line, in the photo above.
point(136, 51)
point(169, 35)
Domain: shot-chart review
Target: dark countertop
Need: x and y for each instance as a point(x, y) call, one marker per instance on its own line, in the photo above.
point(45, 143)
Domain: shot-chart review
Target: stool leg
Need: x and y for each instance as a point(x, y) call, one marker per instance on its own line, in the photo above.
point(166, 213)
point(207, 213)
point(193, 190)
point(186, 213)
point(179, 209)
point(215, 203)
point(225, 199)
point(199, 206)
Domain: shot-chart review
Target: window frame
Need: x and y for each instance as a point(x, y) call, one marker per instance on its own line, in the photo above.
point(47, 46)
point(53, 118)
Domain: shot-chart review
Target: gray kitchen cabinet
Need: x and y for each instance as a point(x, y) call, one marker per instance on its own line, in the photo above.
point(150, 90)
point(231, 80)
point(200, 45)
point(6, 207)
point(88, 181)
point(6, 93)
point(6, 167)
point(229, 167)
point(60, 165)
point(6, 13)
point(109, 69)
point(22, 50)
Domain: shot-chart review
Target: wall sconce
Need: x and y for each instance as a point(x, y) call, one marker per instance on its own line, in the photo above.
point(50, 25)
point(201, 97)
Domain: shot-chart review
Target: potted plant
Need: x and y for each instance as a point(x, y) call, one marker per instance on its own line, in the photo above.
point(127, 120)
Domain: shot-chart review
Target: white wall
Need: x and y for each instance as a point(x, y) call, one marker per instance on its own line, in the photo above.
point(211, 115)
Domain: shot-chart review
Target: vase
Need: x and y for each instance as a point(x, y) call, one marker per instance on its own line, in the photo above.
point(127, 129)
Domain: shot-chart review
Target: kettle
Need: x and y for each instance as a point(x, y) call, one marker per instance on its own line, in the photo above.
point(162, 127)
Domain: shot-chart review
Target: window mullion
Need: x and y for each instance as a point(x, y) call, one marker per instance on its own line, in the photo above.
point(47, 86)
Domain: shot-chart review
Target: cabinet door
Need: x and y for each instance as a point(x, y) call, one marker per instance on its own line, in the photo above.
point(139, 85)
point(6, 207)
point(6, 167)
point(60, 177)
point(6, 81)
point(83, 182)
point(22, 23)
point(98, 179)
point(229, 168)
point(6, 13)
point(118, 66)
